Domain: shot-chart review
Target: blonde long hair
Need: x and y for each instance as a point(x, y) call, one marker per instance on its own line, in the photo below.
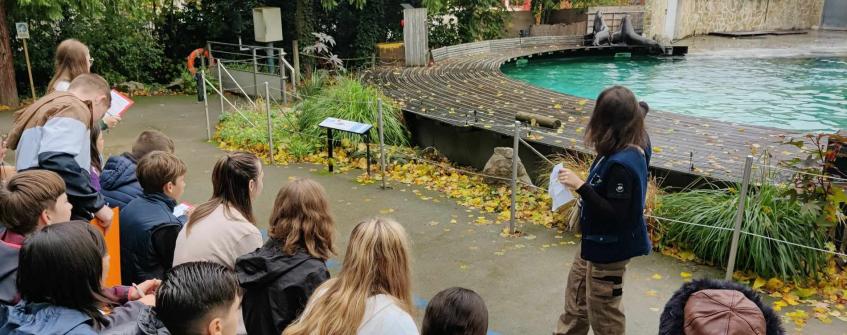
point(71, 61)
point(376, 262)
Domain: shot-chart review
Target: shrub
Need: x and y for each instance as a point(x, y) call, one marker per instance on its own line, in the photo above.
point(248, 129)
point(349, 99)
point(769, 211)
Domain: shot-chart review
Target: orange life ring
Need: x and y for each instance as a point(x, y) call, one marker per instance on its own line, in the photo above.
point(197, 53)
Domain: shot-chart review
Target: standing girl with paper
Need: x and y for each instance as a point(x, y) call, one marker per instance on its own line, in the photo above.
point(612, 219)
point(73, 59)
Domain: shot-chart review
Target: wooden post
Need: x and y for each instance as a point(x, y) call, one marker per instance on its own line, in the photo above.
point(29, 69)
point(415, 36)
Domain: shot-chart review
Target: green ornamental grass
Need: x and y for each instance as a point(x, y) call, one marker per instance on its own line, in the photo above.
point(296, 130)
point(351, 100)
point(769, 212)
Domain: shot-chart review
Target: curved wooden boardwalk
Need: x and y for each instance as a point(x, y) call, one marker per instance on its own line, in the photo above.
point(450, 90)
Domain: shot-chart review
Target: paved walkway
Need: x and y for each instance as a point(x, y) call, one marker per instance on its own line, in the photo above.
point(522, 280)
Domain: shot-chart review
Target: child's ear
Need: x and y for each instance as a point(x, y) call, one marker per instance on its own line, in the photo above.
point(215, 327)
point(43, 218)
point(169, 187)
point(252, 185)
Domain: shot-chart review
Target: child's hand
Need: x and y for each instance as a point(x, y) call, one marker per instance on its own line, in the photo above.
point(104, 215)
point(146, 288)
point(570, 179)
point(149, 300)
point(3, 150)
point(111, 121)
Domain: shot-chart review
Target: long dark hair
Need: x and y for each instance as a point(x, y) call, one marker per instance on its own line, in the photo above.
point(617, 122)
point(230, 187)
point(62, 264)
point(96, 159)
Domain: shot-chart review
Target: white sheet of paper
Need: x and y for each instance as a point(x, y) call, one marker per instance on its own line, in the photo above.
point(120, 104)
point(181, 209)
point(558, 192)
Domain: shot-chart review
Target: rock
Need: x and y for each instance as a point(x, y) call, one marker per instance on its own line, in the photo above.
point(130, 86)
point(177, 85)
point(500, 165)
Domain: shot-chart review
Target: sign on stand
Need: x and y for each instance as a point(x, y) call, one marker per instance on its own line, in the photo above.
point(22, 30)
point(362, 129)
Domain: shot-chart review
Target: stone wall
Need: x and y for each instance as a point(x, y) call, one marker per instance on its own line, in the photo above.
point(699, 17)
point(560, 23)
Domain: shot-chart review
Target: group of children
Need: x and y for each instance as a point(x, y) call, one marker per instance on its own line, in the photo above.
point(208, 270)
point(205, 272)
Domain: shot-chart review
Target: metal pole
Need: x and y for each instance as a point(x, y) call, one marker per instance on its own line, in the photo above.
point(296, 50)
point(220, 84)
point(282, 76)
point(255, 74)
point(512, 210)
point(205, 103)
point(270, 53)
point(329, 148)
point(739, 217)
point(381, 141)
point(270, 127)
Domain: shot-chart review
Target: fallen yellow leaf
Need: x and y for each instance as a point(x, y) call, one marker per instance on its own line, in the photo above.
point(759, 282)
point(656, 276)
point(685, 275)
point(774, 284)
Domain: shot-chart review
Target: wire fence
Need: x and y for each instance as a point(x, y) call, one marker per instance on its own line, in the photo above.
point(764, 171)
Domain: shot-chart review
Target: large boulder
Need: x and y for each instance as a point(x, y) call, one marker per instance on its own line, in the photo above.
point(130, 86)
point(500, 165)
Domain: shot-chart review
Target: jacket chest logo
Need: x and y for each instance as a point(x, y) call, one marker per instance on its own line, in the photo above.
point(619, 188)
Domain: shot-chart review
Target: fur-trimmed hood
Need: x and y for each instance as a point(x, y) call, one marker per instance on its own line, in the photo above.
point(672, 321)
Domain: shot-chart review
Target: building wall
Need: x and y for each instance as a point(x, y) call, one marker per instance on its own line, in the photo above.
point(561, 22)
point(699, 17)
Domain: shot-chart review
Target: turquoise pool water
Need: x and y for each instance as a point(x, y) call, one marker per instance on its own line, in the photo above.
point(804, 94)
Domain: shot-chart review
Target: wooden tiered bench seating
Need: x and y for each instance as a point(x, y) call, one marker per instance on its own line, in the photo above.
point(467, 78)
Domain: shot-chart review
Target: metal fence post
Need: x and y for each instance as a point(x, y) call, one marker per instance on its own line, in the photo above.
point(739, 217)
point(270, 127)
point(255, 74)
point(296, 59)
point(282, 75)
point(205, 103)
point(513, 211)
point(381, 141)
point(220, 84)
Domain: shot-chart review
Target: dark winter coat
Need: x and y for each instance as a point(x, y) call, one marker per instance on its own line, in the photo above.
point(146, 323)
point(118, 182)
point(10, 247)
point(276, 286)
point(672, 321)
point(140, 219)
point(624, 236)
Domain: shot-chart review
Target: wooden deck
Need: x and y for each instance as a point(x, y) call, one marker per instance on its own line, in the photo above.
point(455, 87)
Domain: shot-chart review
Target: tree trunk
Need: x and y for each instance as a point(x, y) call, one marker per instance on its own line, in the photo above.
point(8, 84)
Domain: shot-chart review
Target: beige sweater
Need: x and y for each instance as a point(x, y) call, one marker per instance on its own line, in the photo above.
point(217, 238)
